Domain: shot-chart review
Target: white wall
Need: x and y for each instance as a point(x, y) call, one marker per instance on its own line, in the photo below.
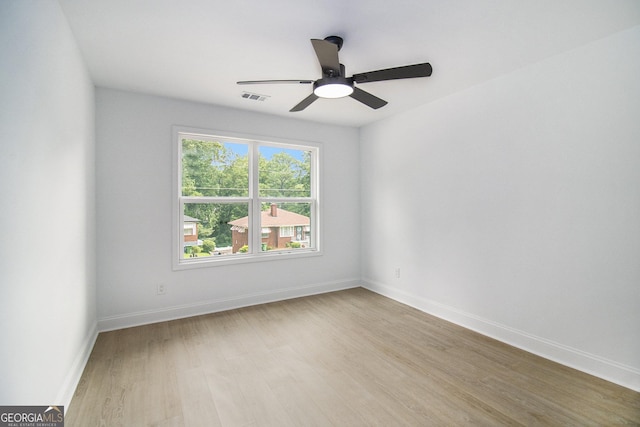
point(47, 218)
point(513, 208)
point(134, 202)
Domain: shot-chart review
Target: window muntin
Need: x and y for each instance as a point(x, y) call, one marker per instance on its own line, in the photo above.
point(226, 186)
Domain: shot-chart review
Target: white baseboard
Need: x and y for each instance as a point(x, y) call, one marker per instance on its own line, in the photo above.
point(77, 368)
point(606, 369)
point(205, 307)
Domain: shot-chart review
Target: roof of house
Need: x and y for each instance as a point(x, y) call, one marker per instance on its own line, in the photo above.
point(283, 218)
point(188, 218)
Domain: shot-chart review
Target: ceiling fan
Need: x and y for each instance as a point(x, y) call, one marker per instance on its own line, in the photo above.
point(335, 84)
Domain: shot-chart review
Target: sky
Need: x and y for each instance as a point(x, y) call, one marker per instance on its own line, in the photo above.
point(265, 151)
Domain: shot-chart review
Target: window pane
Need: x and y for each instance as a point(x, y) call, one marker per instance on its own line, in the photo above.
point(284, 172)
point(214, 168)
point(285, 226)
point(213, 229)
point(224, 182)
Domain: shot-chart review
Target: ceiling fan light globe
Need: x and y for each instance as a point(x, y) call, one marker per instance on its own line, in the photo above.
point(333, 90)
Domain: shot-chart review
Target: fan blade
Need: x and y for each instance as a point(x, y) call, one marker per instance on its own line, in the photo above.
point(272, 82)
point(304, 103)
point(406, 72)
point(327, 54)
point(367, 99)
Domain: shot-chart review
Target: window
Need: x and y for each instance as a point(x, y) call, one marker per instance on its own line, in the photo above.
point(286, 231)
point(243, 199)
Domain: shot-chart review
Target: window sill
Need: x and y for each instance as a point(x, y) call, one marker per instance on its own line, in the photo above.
point(218, 261)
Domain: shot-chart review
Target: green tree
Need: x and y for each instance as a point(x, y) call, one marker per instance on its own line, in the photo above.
point(208, 245)
point(283, 175)
point(198, 173)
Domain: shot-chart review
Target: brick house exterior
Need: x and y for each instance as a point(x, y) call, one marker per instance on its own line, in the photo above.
point(279, 228)
point(190, 226)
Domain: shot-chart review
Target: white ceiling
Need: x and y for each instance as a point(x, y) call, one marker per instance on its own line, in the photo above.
point(198, 49)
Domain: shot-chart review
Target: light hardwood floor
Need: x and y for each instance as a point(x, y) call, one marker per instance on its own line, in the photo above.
point(347, 358)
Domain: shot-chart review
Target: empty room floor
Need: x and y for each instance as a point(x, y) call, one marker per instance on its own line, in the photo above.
point(347, 358)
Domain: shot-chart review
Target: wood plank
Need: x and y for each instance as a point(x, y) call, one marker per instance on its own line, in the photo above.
point(344, 358)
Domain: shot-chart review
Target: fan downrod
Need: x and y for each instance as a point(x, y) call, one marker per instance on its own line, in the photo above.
point(337, 40)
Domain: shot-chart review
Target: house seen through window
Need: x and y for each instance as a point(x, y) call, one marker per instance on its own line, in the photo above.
point(244, 199)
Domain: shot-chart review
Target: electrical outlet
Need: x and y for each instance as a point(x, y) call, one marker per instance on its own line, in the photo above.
point(162, 289)
point(397, 272)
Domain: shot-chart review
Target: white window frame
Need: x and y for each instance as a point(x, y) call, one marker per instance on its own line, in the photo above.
point(291, 231)
point(254, 201)
point(191, 229)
